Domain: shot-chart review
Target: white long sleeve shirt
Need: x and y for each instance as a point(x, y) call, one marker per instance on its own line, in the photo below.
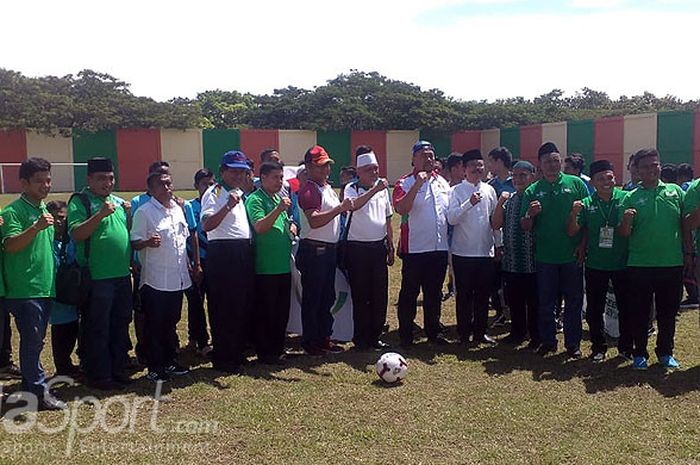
point(472, 235)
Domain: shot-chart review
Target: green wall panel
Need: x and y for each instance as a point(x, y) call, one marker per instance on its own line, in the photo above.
point(338, 146)
point(675, 137)
point(87, 145)
point(215, 143)
point(580, 138)
point(442, 141)
point(510, 138)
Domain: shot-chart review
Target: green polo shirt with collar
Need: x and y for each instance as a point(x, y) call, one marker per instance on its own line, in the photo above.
point(656, 239)
point(273, 248)
point(552, 244)
point(29, 273)
point(597, 214)
point(110, 251)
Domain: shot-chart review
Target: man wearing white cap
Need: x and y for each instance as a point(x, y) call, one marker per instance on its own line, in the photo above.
point(369, 250)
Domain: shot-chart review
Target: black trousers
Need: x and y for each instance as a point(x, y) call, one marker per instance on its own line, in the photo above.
point(664, 285)
point(272, 301)
point(596, 292)
point(474, 277)
point(521, 294)
point(162, 312)
point(369, 286)
point(139, 315)
point(64, 338)
point(5, 336)
point(196, 318)
point(424, 271)
point(230, 286)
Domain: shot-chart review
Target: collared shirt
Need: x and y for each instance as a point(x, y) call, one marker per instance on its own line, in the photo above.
point(656, 228)
point(110, 251)
point(30, 272)
point(473, 235)
point(193, 212)
point(235, 223)
point(424, 227)
point(502, 186)
point(369, 222)
point(163, 268)
point(597, 214)
point(319, 198)
point(273, 247)
point(552, 244)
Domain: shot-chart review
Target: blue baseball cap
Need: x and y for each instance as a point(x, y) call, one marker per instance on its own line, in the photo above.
point(422, 144)
point(235, 159)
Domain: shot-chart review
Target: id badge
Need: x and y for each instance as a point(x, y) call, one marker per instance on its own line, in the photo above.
point(606, 237)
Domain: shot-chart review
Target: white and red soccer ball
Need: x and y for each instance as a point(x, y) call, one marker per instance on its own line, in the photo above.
point(391, 367)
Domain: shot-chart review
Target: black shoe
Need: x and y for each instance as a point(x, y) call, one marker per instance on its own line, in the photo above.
point(447, 296)
point(546, 349)
point(500, 320)
point(176, 369)
point(533, 345)
point(513, 339)
point(385, 328)
point(379, 345)
point(689, 303)
point(10, 371)
point(574, 354)
point(438, 341)
point(106, 385)
point(416, 328)
point(157, 376)
point(49, 402)
point(485, 340)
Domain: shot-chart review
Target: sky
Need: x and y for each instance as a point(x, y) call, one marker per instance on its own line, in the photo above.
point(469, 49)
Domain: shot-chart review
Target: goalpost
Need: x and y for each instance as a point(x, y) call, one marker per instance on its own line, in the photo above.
point(62, 176)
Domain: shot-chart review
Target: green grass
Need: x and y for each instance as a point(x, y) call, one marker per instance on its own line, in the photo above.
point(457, 406)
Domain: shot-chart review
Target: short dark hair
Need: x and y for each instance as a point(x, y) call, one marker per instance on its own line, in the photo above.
point(160, 166)
point(644, 153)
point(349, 169)
point(33, 165)
point(202, 174)
point(265, 154)
point(362, 149)
point(669, 173)
point(685, 170)
point(269, 166)
point(153, 177)
point(454, 159)
point(576, 160)
point(55, 205)
point(503, 154)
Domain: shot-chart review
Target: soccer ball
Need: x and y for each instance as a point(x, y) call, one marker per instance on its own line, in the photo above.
point(391, 367)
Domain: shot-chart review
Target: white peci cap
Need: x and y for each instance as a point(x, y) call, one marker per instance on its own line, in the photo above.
point(367, 159)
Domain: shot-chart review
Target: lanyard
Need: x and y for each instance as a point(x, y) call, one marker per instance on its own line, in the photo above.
point(606, 215)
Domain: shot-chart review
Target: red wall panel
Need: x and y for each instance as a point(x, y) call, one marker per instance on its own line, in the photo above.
point(696, 143)
point(530, 142)
point(136, 150)
point(466, 140)
point(13, 149)
point(609, 143)
point(254, 141)
point(376, 140)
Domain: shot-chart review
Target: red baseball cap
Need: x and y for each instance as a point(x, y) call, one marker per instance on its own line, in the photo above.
point(317, 155)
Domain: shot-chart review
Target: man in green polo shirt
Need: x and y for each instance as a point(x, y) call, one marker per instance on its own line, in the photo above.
point(652, 221)
point(27, 230)
point(267, 212)
point(103, 233)
point(598, 215)
point(545, 210)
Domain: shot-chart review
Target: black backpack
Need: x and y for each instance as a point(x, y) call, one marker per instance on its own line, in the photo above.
point(73, 281)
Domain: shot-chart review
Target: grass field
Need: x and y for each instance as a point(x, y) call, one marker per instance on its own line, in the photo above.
point(491, 405)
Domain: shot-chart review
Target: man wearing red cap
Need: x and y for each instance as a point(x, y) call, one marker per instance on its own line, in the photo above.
point(316, 257)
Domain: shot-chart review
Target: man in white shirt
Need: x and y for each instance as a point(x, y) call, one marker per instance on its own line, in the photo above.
point(229, 254)
point(420, 197)
point(316, 258)
point(369, 250)
point(159, 234)
point(471, 204)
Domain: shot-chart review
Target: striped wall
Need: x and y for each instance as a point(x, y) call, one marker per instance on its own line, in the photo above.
point(675, 134)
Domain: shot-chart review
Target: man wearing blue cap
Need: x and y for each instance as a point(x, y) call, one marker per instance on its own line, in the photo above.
point(421, 198)
point(225, 221)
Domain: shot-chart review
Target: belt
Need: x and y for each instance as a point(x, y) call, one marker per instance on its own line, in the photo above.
point(369, 243)
point(313, 243)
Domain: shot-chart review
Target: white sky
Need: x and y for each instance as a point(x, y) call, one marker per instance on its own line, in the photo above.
point(470, 49)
